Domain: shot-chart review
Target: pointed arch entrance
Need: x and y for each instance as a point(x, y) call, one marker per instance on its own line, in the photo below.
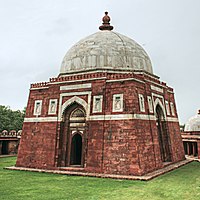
point(163, 137)
point(73, 136)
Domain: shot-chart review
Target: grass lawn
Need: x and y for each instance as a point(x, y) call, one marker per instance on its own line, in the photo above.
point(183, 183)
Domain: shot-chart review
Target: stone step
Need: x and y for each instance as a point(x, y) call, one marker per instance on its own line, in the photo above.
point(74, 168)
point(66, 171)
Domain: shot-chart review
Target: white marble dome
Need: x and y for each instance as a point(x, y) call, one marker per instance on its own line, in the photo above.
point(106, 50)
point(193, 123)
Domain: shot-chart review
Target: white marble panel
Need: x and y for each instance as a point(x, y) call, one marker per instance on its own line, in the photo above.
point(97, 103)
point(52, 106)
point(158, 89)
point(78, 86)
point(117, 103)
point(37, 107)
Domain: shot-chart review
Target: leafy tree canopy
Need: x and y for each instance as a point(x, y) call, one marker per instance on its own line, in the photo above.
point(11, 120)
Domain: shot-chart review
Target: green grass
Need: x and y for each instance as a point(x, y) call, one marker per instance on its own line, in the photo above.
point(183, 183)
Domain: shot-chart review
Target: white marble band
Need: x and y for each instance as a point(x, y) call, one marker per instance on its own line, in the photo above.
point(104, 117)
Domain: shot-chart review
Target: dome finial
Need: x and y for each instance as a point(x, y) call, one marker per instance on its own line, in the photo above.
point(106, 25)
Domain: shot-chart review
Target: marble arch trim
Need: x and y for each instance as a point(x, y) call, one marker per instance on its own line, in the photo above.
point(158, 102)
point(76, 99)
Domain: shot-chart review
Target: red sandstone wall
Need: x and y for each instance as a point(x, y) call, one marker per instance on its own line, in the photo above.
point(148, 146)
point(176, 141)
point(37, 145)
point(116, 147)
point(126, 149)
point(95, 147)
point(45, 95)
point(121, 148)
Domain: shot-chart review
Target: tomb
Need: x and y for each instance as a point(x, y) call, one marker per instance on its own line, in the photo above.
point(106, 112)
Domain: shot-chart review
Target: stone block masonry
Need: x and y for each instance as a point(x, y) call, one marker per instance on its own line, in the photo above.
point(112, 141)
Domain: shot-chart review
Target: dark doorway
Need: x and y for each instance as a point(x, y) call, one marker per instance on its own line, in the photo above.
point(76, 150)
point(185, 147)
point(4, 148)
point(73, 136)
point(163, 135)
point(191, 148)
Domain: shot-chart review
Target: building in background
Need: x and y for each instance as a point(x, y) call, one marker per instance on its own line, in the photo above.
point(9, 142)
point(106, 112)
point(191, 137)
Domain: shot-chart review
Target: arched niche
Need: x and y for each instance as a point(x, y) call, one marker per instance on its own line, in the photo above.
point(71, 101)
point(163, 134)
point(72, 136)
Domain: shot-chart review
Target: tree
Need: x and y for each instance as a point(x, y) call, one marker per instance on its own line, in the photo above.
point(11, 120)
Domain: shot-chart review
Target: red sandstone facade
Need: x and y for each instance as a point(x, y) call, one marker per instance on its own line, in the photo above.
point(105, 113)
point(133, 141)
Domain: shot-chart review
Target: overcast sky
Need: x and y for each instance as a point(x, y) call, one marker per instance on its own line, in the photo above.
point(36, 34)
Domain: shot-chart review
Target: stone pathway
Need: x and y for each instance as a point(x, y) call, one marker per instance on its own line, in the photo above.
point(145, 177)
